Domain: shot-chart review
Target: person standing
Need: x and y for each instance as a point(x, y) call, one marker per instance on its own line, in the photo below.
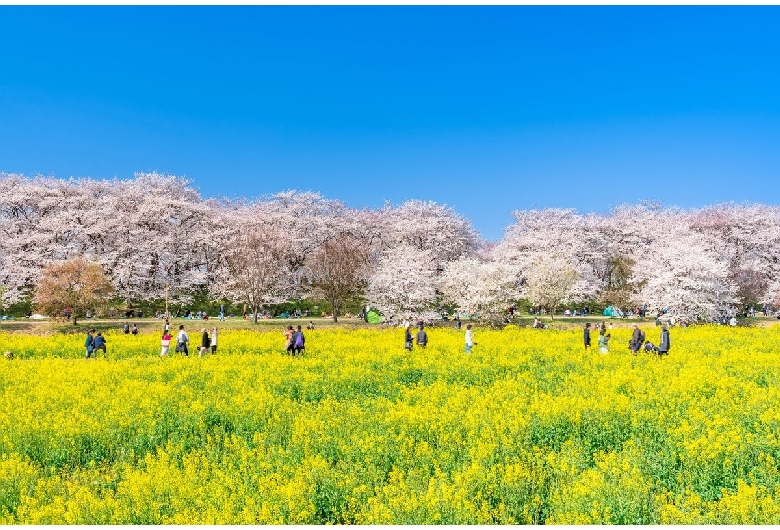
point(165, 344)
point(134, 331)
point(182, 340)
point(604, 342)
point(408, 340)
point(167, 326)
point(90, 343)
point(636, 340)
point(422, 337)
point(586, 336)
point(665, 344)
point(205, 342)
point(126, 328)
point(299, 342)
point(288, 335)
point(469, 339)
point(214, 336)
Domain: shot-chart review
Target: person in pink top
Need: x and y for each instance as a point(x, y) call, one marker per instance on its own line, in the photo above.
point(166, 344)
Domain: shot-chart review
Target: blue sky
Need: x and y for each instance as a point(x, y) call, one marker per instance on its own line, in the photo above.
point(486, 109)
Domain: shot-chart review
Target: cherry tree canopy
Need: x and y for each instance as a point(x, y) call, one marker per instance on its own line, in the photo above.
point(155, 235)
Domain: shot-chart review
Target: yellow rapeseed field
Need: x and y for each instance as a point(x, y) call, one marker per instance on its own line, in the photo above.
point(526, 429)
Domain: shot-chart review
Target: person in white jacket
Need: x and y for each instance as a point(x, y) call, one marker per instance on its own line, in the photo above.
point(182, 340)
point(469, 338)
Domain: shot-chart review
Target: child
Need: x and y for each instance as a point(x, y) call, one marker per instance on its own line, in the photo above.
point(166, 344)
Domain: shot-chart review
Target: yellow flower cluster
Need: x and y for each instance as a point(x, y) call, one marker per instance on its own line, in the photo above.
point(528, 428)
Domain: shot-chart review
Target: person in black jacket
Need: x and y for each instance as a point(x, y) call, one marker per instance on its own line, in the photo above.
point(408, 344)
point(205, 343)
point(422, 337)
point(665, 344)
point(586, 336)
point(636, 340)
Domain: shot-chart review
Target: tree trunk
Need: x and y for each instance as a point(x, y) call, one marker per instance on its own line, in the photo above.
point(254, 312)
point(335, 312)
point(74, 319)
point(552, 313)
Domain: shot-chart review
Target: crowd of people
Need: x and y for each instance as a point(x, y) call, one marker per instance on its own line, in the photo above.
point(295, 340)
point(637, 342)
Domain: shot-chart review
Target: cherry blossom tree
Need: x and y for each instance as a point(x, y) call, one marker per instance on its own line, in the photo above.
point(746, 237)
point(403, 282)
point(257, 270)
point(150, 233)
point(155, 236)
point(538, 233)
point(750, 286)
point(550, 281)
point(337, 271)
point(479, 287)
point(427, 226)
point(684, 276)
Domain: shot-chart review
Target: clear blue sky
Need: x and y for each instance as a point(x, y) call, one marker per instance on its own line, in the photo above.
point(485, 109)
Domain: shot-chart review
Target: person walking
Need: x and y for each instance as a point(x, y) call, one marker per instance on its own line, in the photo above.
point(182, 341)
point(99, 343)
point(586, 336)
point(90, 343)
point(665, 343)
point(288, 335)
point(205, 342)
point(214, 335)
point(408, 340)
point(299, 342)
point(422, 337)
point(165, 344)
point(469, 339)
